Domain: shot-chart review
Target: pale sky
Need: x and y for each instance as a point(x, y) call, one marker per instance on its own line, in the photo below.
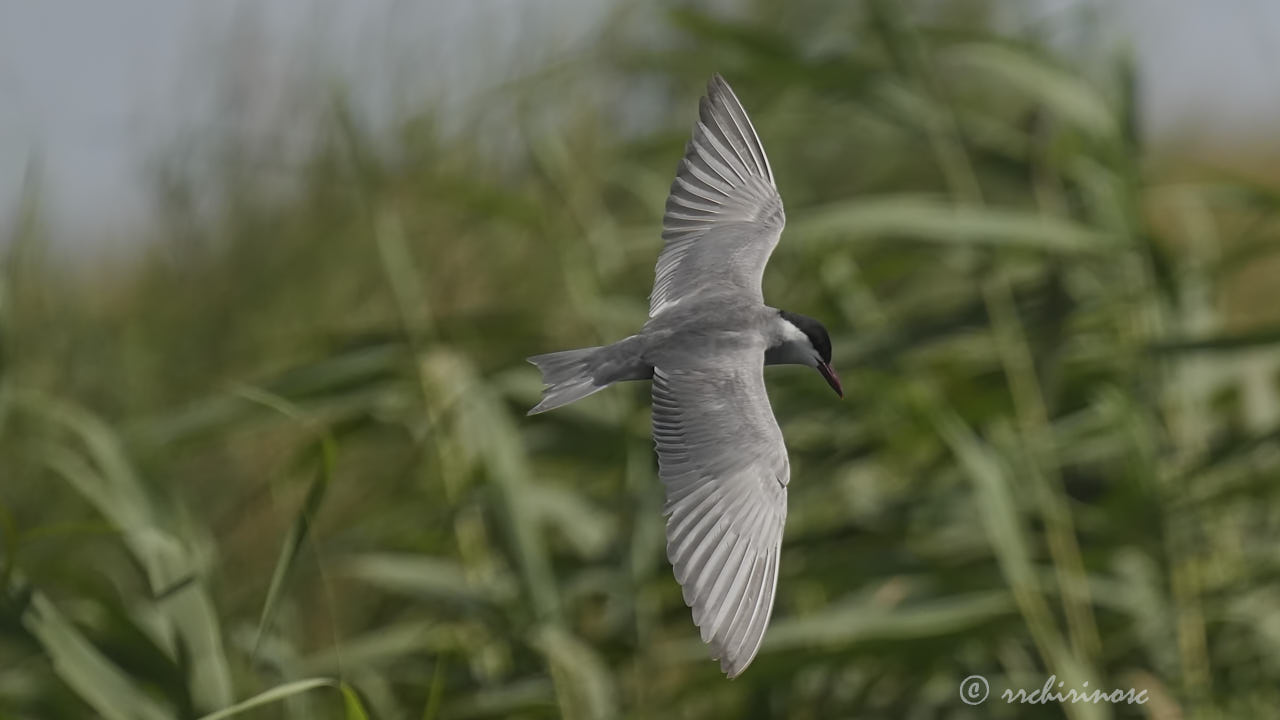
point(89, 88)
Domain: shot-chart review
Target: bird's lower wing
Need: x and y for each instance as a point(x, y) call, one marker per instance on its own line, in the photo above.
point(725, 468)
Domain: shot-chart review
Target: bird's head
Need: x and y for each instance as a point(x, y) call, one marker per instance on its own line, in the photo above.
point(804, 341)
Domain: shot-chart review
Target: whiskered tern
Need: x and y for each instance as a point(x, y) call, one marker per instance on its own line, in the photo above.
point(708, 337)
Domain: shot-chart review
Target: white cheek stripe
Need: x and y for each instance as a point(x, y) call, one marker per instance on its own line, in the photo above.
point(791, 333)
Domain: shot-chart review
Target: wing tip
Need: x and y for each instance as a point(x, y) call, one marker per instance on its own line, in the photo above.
point(733, 665)
point(721, 99)
point(717, 86)
point(731, 670)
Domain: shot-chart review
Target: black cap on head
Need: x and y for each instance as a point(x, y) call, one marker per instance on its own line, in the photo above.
point(813, 330)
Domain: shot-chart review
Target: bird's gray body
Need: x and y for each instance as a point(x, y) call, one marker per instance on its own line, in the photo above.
point(686, 336)
point(721, 454)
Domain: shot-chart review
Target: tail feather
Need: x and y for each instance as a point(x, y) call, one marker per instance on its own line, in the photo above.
point(568, 376)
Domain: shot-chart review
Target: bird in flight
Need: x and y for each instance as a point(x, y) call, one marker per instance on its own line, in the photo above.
point(709, 335)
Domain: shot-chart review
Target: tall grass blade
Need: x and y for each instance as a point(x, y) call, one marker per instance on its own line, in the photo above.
point(106, 479)
point(352, 707)
point(427, 578)
point(1064, 93)
point(1001, 518)
point(932, 220)
point(850, 623)
point(104, 686)
point(480, 424)
point(584, 685)
point(299, 531)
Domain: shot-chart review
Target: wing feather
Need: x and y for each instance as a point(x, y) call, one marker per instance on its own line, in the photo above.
point(725, 469)
point(723, 213)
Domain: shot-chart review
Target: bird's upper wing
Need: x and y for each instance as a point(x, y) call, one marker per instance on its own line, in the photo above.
point(725, 468)
point(723, 214)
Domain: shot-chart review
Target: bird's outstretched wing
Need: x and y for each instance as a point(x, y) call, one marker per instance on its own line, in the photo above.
point(725, 468)
point(723, 215)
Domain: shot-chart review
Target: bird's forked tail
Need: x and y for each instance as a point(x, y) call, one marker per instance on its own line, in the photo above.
point(568, 377)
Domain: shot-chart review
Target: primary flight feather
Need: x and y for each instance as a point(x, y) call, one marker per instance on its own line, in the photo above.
point(709, 335)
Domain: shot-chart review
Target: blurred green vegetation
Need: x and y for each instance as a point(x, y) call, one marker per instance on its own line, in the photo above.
point(283, 455)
